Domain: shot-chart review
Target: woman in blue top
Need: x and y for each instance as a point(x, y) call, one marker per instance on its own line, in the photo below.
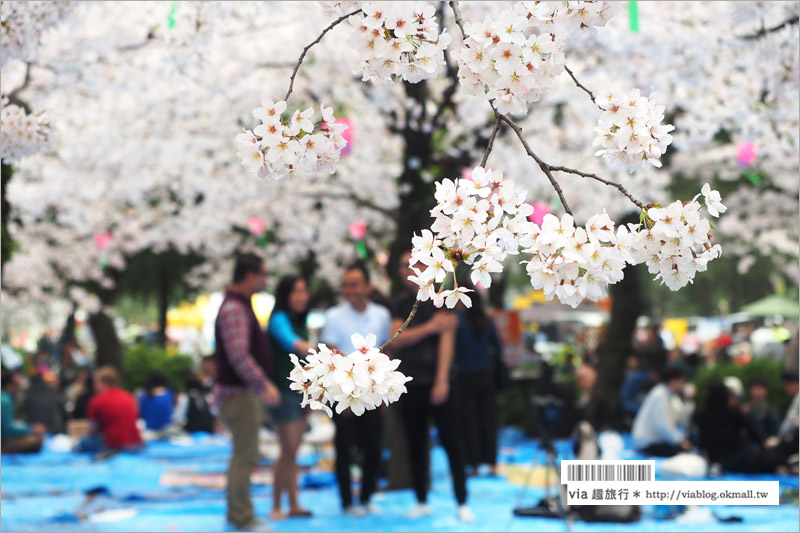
point(478, 347)
point(156, 402)
point(287, 333)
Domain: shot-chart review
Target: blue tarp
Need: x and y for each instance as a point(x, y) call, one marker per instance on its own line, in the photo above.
point(44, 492)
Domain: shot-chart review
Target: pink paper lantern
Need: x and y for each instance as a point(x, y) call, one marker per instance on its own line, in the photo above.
point(746, 153)
point(357, 230)
point(102, 240)
point(539, 211)
point(257, 226)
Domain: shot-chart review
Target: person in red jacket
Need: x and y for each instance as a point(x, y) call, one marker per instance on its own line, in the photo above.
point(113, 411)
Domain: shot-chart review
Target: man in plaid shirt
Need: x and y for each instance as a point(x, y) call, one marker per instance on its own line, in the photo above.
point(243, 358)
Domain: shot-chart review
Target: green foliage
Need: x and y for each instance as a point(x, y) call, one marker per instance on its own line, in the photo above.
point(512, 410)
point(142, 359)
point(143, 275)
point(7, 245)
point(765, 367)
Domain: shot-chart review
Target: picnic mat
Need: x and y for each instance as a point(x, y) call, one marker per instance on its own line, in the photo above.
point(177, 486)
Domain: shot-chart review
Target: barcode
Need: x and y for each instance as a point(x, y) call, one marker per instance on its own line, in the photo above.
point(588, 471)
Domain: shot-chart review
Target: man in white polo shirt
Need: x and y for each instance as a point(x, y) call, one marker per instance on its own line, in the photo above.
point(357, 314)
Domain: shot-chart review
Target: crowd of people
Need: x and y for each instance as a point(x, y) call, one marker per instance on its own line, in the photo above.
point(734, 426)
point(455, 359)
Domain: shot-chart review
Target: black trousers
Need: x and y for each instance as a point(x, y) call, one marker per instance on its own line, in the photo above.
point(662, 449)
point(366, 433)
point(478, 417)
point(416, 408)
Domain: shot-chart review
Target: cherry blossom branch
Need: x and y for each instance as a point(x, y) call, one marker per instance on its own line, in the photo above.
point(403, 327)
point(546, 168)
point(317, 40)
point(621, 189)
point(571, 75)
point(542, 165)
point(491, 141)
point(513, 125)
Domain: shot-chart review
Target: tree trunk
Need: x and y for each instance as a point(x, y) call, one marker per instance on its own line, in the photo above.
point(68, 333)
point(163, 304)
point(7, 244)
point(109, 349)
point(417, 195)
point(626, 306)
point(497, 290)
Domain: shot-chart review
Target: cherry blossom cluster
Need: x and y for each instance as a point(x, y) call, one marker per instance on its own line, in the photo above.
point(480, 221)
point(362, 380)
point(401, 39)
point(675, 242)
point(483, 220)
point(22, 134)
point(299, 146)
point(574, 263)
point(630, 131)
point(514, 58)
point(21, 24)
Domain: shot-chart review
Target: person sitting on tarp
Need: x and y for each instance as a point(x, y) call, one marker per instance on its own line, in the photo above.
point(43, 403)
point(16, 435)
point(192, 410)
point(791, 386)
point(113, 414)
point(730, 439)
point(661, 425)
point(758, 409)
point(156, 402)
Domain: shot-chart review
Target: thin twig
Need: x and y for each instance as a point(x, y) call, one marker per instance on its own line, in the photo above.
point(459, 20)
point(764, 31)
point(491, 141)
point(307, 48)
point(361, 202)
point(621, 189)
point(571, 75)
point(275, 64)
point(544, 166)
point(405, 324)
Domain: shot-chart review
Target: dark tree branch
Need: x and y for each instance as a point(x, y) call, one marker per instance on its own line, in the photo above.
point(13, 96)
point(457, 14)
point(764, 31)
point(275, 64)
point(359, 201)
point(151, 35)
point(542, 165)
point(571, 75)
point(619, 187)
point(489, 146)
point(405, 324)
point(317, 40)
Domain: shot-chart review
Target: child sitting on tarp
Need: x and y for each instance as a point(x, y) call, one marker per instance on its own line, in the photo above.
point(156, 402)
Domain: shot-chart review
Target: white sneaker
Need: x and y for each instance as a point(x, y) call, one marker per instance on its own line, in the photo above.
point(356, 511)
point(371, 508)
point(421, 509)
point(465, 514)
